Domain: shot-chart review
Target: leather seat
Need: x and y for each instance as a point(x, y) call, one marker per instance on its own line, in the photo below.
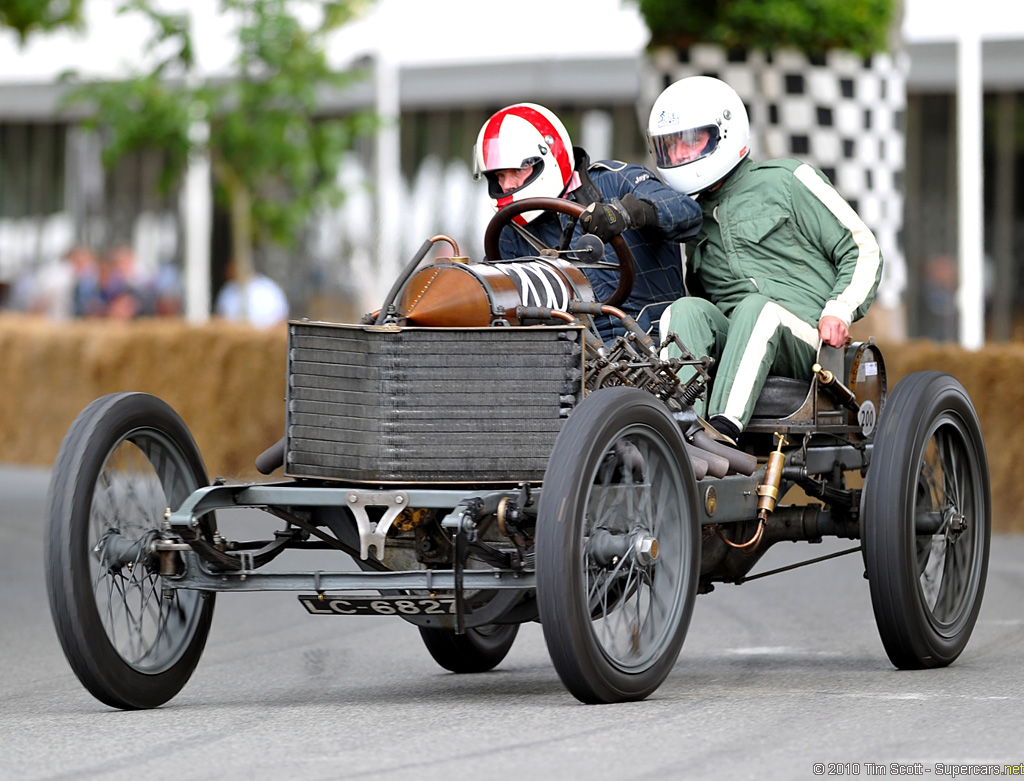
point(780, 397)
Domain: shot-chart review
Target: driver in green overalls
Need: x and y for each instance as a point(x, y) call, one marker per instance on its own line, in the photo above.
point(782, 262)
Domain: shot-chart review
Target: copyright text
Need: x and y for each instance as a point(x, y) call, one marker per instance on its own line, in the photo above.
point(938, 769)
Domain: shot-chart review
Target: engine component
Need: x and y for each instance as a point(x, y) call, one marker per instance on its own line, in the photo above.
point(482, 294)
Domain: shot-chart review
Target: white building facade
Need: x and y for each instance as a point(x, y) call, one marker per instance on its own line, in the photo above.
point(441, 76)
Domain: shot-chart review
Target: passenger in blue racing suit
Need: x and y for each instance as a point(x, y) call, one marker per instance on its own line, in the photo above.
point(524, 151)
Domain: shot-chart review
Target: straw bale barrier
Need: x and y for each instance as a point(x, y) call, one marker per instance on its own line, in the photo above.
point(226, 381)
point(228, 384)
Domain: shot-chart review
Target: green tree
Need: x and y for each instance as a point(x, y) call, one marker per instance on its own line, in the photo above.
point(31, 16)
point(812, 26)
point(274, 158)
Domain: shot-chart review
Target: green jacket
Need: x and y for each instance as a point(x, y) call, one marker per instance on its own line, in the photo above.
point(780, 229)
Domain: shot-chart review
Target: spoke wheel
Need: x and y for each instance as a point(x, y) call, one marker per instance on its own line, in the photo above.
point(125, 461)
point(927, 521)
point(618, 547)
point(478, 650)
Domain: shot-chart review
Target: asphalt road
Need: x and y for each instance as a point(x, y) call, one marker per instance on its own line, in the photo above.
point(775, 676)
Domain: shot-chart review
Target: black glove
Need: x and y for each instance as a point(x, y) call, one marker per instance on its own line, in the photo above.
point(608, 220)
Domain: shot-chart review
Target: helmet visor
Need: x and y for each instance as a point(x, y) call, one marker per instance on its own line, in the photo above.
point(493, 154)
point(684, 146)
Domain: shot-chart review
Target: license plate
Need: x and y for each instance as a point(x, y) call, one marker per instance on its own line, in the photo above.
point(328, 605)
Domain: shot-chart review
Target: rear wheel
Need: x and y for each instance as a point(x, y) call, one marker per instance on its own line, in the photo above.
point(927, 521)
point(478, 650)
point(126, 460)
point(618, 547)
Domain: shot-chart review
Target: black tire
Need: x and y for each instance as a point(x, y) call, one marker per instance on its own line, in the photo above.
point(478, 650)
point(614, 619)
point(126, 459)
point(927, 521)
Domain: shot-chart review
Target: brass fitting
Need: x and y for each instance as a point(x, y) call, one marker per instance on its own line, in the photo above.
point(768, 490)
point(835, 388)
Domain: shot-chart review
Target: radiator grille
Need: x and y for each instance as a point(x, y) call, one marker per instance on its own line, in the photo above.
point(427, 404)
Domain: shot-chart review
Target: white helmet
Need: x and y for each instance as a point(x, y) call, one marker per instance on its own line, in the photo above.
point(698, 132)
point(518, 136)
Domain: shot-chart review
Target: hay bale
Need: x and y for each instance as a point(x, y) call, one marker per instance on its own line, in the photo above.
point(227, 382)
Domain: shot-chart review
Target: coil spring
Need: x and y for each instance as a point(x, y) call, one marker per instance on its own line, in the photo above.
point(692, 392)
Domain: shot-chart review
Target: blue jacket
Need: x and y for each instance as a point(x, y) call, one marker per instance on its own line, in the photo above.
point(656, 249)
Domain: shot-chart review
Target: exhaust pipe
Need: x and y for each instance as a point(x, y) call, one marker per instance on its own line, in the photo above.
point(272, 458)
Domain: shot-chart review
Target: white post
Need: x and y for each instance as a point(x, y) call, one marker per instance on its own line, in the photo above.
point(196, 207)
point(387, 179)
point(971, 249)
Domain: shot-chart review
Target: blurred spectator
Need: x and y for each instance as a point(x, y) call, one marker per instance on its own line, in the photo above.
point(51, 290)
point(168, 290)
point(19, 292)
point(79, 284)
point(66, 287)
point(88, 302)
point(263, 303)
point(939, 314)
point(122, 286)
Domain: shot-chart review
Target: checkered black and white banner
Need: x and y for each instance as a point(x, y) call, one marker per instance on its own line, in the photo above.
point(840, 112)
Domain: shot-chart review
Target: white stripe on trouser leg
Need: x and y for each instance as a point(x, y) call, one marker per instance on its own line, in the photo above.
point(664, 323)
point(772, 317)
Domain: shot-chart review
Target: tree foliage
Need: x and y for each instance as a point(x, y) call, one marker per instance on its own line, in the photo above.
point(274, 158)
point(812, 26)
point(31, 16)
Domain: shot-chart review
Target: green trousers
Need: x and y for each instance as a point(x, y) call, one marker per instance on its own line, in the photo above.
point(758, 338)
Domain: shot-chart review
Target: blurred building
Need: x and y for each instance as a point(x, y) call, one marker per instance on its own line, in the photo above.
point(443, 76)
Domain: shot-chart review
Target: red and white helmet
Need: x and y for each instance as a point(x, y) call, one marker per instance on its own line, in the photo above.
point(518, 136)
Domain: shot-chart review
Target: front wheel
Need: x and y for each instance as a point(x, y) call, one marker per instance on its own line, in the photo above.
point(927, 521)
point(126, 460)
point(618, 547)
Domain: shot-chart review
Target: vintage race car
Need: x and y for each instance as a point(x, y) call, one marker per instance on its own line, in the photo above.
point(486, 460)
